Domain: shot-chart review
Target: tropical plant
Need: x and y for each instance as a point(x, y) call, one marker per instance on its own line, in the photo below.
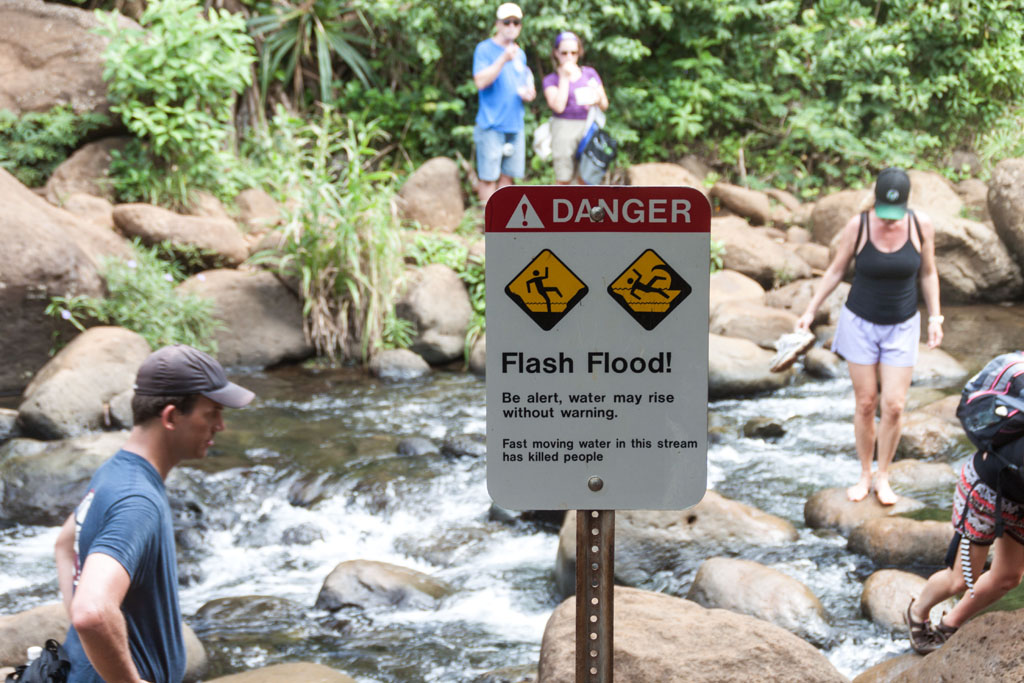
point(142, 296)
point(33, 144)
point(173, 83)
point(717, 255)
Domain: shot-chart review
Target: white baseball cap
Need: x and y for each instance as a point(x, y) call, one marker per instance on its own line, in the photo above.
point(509, 9)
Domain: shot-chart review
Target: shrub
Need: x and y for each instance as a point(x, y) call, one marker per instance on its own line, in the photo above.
point(34, 144)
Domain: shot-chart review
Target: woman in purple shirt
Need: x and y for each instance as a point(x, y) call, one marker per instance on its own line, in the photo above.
point(570, 90)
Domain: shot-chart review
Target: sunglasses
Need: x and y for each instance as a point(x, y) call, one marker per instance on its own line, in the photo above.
point(513, 22)
point(568, 52)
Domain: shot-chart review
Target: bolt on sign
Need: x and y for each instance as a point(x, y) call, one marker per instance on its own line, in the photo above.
point(597, 347)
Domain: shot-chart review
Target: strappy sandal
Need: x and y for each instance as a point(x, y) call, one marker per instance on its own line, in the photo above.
point(943, 631)
point(923, 638)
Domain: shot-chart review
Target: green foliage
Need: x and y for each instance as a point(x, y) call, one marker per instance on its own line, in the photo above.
point(292, 33)
point(142, 297)
point(34, 144)
point(717, 255)
point(341, 240)
point(173, 84)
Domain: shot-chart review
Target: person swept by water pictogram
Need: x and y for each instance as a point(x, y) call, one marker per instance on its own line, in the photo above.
point(638, 283)
point(538, 281)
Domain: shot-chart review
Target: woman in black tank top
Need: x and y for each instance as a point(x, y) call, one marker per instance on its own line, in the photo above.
point(878, 330)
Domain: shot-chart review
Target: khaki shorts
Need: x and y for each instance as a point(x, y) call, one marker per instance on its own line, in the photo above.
point(566, 135)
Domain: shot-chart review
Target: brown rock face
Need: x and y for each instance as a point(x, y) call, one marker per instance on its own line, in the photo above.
point(987, 649)
point(153, 224)
point(432, 195)
point(1006, 205)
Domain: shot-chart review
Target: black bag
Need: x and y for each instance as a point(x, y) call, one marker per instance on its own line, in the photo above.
point(597, 151)
point(52, 666)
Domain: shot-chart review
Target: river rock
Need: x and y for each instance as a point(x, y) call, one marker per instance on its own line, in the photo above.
point(416, 446)
point(739, 366)
point(257, 210)
point(758, 591)
point(943, 408)
point(763, 428)
point(935, 366)
point(72, 394)
point(831, 509)
point(662, 639)
point(914, 475)
point(986, 649)
point(652, 541)
point(833, 212)
point(973, 263)
point(750, 252)
point(261, 318)
point(461, 445)
point(42, 482)
point(398, 365)
point(437, 303)
point(510, 674)
point(663, 173)
point(478, 356)
point(251, 615)
point(886, 595)
point(795, 296)
point(900, 542)
point(8, 424)
point(888, 670)
point(744, 320)
point(220, 237)
point(733, 286)
point(49, 55)
point(292, 672)
point(750, 204)
point(1006, 205)
point(925, 436)
point(822, 363)
point(432, 195)
point(85, 172)
point(365, 584)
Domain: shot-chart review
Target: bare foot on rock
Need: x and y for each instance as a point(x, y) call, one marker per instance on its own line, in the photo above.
point(859, 491)
point(884, 492)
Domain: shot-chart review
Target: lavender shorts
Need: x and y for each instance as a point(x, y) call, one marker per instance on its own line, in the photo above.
point(865, 343)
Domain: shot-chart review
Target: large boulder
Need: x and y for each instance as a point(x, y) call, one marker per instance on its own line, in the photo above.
point(900, 542)
point(257, 210)
point(84, 172)
point(795, 296)
point(651, 541)
point(261, 318)
point(831, 509)
point(398, 365)
point(42, 482)
point(986, 649)
point(926, 436)
point(1006, 205)
point(49, 55)
point(831, 213)
point(753, 589)
point(307, 672)
point(662, 639)
point(73, 393)
point(738, 367)
point(750, 204)
point(914, 475)
point(973, 263)
point(887, 593)
point(935, 366)
point(46, 252)
point(762, 325)
point(219, 237)
point(437, 303)
point(729, 285)
point(749, 251)
point(432, 195)
point(662, 173)
point(365, 584)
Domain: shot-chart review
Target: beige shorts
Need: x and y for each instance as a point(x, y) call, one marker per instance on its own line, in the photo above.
point(566, 135)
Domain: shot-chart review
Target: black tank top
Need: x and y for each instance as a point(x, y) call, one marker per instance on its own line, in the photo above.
point(884, 289)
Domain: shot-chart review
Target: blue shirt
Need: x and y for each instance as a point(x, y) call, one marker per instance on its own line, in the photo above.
point(501, 108)
point(126, 515)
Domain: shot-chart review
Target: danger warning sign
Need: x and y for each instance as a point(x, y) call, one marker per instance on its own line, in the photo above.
point(599, 400)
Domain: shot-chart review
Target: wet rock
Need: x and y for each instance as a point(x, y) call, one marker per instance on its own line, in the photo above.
point(437, 303)
point(744, 320)
point(42, 482)
point(795, 296)
point(750, 588)
point(365, 584)
point(916, 476)
point(8, 424)
point(432, 195)
point(900, 542)
point(831, 509)
point(986, 649)
point(398, 365)
point(473, 445)
point(84, 172)
point(935, 366)
point(509, 674)
point(925, 436)
point(71, 394)
point(886, 595)
point(651, 541)
point(1006, 205)
point(416, 446)
point(732, 286)
point(889, 670)
point(219, 237)
point(822, 363)
point(763, 428)
point(229, 618)
point(749, 204)
point(307, 672)
point(302, 534)
point(662, 639)
point(739, 366)
point(311, 488)
point(751, 253)
point(831, 213)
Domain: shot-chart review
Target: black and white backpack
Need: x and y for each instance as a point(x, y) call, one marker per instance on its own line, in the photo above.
point(991, 407)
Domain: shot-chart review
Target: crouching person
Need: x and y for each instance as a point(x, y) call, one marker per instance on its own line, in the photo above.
point(988, 510)
point(115, 554)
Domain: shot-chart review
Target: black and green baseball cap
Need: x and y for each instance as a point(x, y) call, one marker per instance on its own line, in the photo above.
point(892, 189)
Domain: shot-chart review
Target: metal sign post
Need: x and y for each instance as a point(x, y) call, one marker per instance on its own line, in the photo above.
point(597, 367)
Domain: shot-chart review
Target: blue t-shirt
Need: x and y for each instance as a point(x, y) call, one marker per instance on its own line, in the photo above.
point(501, 108)
point(126, 515)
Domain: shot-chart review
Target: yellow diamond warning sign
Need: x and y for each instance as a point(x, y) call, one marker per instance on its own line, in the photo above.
point(546, 289)
point(649, 289)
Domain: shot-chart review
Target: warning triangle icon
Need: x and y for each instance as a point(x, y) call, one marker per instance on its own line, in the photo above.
point(524, 217)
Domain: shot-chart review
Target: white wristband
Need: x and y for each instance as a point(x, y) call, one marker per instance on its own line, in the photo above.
point(936, 319)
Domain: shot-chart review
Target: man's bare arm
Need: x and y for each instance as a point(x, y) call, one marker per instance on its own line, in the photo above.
point(64, 553)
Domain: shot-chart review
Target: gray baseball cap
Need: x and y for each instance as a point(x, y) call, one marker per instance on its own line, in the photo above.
point(180, 370)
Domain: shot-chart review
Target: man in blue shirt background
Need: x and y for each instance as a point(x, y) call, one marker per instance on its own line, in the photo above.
point(504, 82)
point(116, 562)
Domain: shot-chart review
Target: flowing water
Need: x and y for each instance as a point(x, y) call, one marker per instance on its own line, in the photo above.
point(309, 476)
